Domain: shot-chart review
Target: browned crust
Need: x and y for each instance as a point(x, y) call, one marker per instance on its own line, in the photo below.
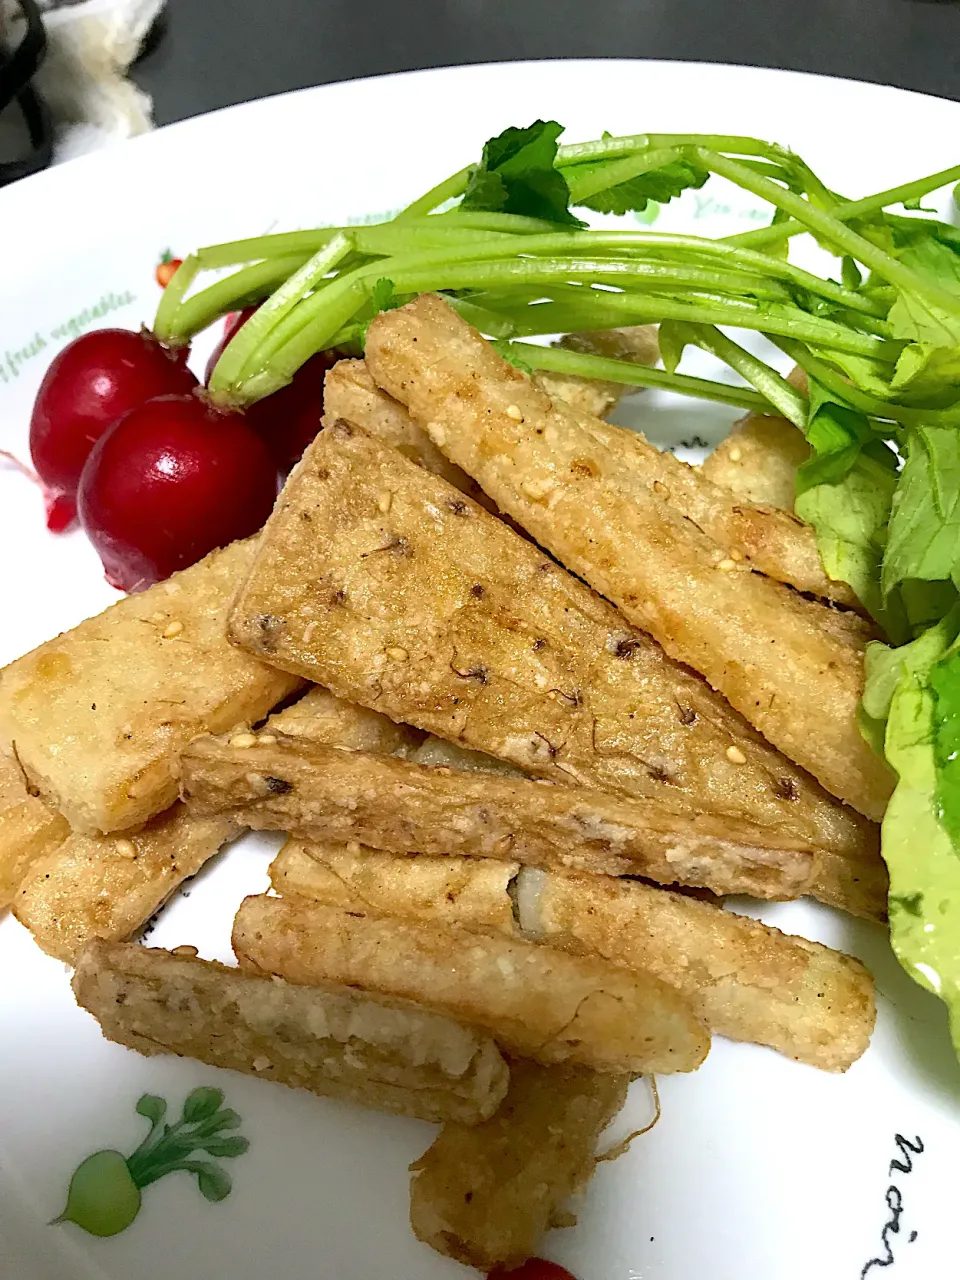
point(601, 501)
point(320, 792)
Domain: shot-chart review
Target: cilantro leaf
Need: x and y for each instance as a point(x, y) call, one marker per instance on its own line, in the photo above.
point(382, 298)
point(517, 175)
point(659, 185)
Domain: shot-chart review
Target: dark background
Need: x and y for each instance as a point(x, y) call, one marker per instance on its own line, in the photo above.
point(211, 53)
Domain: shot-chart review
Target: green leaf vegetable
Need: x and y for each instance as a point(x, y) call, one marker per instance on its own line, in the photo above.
point(105, 1193)
point(879, 340)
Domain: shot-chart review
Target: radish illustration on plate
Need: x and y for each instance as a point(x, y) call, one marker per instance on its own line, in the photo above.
point(105, 1193)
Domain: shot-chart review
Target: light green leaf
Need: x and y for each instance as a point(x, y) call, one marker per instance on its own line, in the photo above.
point(850, 521)
point(920, 854)
point(659, 185)
point(927, 371)
point(924, 536)
point(916, 318)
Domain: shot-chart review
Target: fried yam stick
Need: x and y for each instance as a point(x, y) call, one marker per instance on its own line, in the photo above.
point(319, 792)
point(98, 716)
point(612, 509)
point(390, 587)
point(334, 1042)
point(349, 392)
point(770, 540)
point(536, 1002)
point(758, 461)
point(487, 1195)
point(468, 891)
point(321, 717)
point(745, 980)
point(28, 829)
point(108, 887)
point(855, 883)
point(854, 880)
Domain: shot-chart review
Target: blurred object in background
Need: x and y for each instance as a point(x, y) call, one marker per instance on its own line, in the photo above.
point(26, 133)
point(81, 82)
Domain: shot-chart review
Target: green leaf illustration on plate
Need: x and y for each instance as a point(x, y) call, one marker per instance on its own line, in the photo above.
point(105, 1191)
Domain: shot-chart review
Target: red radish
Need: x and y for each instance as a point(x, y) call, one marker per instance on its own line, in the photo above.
point(170, 481)
point(88, 386)
point(532, 1269)
point(289, 419)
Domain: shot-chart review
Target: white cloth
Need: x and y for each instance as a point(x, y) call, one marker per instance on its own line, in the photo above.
point(83, 79)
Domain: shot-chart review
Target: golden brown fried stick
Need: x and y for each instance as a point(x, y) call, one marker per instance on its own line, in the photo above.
point(486, 1195)
point(98, 716)
point(390, 587)
point(536, 1002)
point(349, 392)
point(758, 461)
point(606, 505)
point(855, 883)
point(469, 891)
point(28, 828)
point(745, 980)
point(853, 880)
point(319, 792)
point(337, 1043)
point(108, 887)
point(772, 541)
point(321, 717)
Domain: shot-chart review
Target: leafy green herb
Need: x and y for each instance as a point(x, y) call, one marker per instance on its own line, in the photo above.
point(105, 1191)
point(923, 543)
point(517, 175)
point(922, 822)
point(660, 185)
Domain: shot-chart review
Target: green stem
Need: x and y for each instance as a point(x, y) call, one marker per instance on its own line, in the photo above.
point(516, 223)
point(170, 300)
point(849, 209)
point(232, 364)
point(611, 148)
point(872, 406)
point(449, 189)
point(828, 226)
point(559, 360)
point(247, 285)
point(787, 400)
point(617, 171)
point(277, 245)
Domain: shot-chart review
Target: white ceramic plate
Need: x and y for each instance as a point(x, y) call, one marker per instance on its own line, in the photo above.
point(759, 1167)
